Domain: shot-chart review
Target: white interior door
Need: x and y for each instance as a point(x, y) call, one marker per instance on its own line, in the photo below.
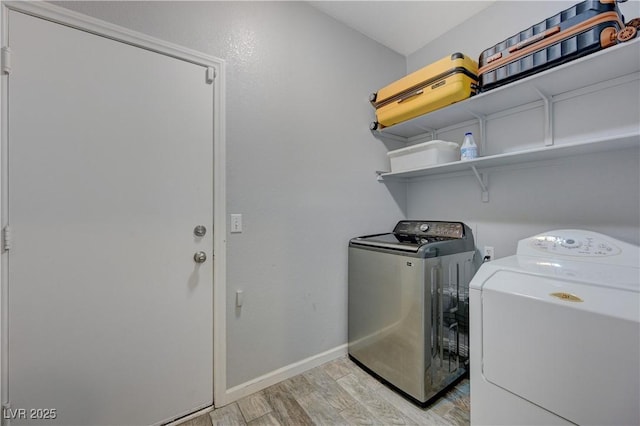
point(110, 168)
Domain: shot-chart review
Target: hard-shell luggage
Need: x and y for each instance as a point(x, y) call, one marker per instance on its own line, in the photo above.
point(451, 79)
point(582, 29)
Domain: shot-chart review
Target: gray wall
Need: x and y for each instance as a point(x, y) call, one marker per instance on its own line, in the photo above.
point(600, 192)
point(301, 161)
point(300, 168)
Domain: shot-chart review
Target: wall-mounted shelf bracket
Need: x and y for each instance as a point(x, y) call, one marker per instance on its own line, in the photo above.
point(483, 182)
point(387, 136)
point(548, 117)
point(379, 174)
point(427, 131)
point(482, 123)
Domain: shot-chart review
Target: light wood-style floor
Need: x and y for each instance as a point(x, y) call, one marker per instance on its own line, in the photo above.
point(337, 393)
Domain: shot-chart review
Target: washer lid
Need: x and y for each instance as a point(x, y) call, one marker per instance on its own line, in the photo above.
point(600, 275)
point(568, 347)
point(422, 238)
point(388, 241)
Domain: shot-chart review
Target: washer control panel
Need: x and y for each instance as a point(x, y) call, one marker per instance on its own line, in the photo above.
point(430, 229)
point(574, 244)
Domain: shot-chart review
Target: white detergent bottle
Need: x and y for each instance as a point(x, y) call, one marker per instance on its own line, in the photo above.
point(469, 149)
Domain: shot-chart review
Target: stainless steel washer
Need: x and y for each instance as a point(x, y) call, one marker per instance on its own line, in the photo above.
point(408, 305)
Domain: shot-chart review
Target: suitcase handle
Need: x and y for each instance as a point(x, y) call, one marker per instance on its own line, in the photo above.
point(411, 95)
point(534, 39)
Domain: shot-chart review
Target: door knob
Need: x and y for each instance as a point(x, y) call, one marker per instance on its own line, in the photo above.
point(199, 231)
point(200, 257)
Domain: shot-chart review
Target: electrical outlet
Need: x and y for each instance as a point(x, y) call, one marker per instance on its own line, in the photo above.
point(488, 254)
point(236, 223)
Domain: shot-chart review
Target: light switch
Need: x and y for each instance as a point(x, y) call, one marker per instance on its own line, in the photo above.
point(236, 223)
point(239, 298)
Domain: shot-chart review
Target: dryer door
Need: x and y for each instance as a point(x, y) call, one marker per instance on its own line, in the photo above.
point(577, 359)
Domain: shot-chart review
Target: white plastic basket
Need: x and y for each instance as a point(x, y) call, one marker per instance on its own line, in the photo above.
point(423, 155)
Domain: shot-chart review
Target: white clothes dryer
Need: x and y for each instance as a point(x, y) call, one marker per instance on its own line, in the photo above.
point(555, 333)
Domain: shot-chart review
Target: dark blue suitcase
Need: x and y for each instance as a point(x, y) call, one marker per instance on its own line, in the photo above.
point(582, 29)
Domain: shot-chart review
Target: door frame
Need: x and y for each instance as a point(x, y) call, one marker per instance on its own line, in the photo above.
point(101, 28)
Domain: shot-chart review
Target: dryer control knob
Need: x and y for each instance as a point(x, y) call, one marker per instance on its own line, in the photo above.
point(570, 243)
point(424, 227)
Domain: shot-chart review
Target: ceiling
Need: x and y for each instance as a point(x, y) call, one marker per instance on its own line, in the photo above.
point(403, 26)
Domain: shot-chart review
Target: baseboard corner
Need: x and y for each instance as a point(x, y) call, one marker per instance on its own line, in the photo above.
point(262, 382)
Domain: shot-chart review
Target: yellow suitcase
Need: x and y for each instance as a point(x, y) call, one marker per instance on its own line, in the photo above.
point(451, 79)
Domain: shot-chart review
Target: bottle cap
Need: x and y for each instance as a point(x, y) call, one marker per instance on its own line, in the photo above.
point(468, 133)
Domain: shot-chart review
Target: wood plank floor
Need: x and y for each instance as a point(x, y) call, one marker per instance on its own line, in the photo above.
point(337, 393)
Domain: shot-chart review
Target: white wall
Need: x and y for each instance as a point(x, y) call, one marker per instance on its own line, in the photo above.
point(301, 163)
point(600, 192)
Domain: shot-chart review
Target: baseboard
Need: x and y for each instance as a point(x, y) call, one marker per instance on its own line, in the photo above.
point(276, 376)
point(189, 417)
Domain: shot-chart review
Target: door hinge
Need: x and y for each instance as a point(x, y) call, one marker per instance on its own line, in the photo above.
point(6, 60)
point(7, 238)
point(211, 75)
